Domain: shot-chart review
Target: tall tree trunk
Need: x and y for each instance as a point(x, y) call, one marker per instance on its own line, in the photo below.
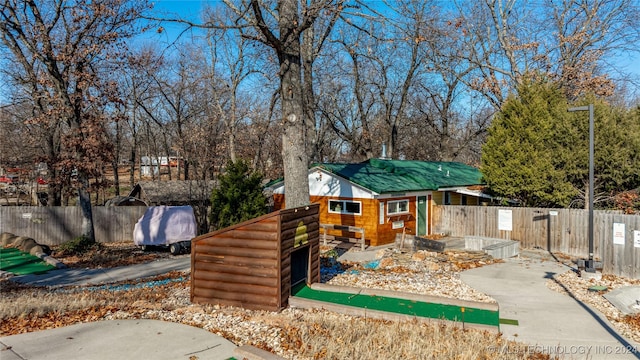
point(132, 165)
point(116, 176)
point(294, 151)
point(116, 159)
point(85, 204)
point(307, 92)
point(232, 126)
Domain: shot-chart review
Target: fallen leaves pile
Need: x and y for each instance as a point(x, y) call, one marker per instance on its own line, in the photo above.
point(27, 308)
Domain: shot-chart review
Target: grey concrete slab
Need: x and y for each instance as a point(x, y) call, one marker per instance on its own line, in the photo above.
point(118, 339)
point(454, 243)
point(550, 322)
point(625, 299)
point(77, 277)
point(356, 255)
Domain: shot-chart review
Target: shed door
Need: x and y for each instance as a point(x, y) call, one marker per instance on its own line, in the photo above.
point(422, 215)
point(299, 265)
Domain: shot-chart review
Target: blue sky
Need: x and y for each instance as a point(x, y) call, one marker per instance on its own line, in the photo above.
point(192, 9)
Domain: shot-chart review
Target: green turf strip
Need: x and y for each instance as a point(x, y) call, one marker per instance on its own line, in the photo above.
point(21, 263)
point(509, 322)
point(402, 306)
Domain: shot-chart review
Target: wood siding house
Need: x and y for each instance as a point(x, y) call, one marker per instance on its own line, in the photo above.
point(387, 197)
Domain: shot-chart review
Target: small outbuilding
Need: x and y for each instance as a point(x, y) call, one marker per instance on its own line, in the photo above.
point(256, 263)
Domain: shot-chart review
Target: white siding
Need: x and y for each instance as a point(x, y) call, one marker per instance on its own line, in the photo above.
point(322, 183)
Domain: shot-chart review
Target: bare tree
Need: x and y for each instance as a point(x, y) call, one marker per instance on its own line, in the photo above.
point(231, 64)
point(280, 26)
point(571, 40)
point(349, 100)
point(387, 60)
point(59, 46)
point(586, 34)
point(497, 42)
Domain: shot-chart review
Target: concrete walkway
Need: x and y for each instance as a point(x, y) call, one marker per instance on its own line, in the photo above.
point(121, 339)
point(81, 277)
point(552, 323)
point(118, 339)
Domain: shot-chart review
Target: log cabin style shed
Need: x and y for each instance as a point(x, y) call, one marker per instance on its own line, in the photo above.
point(255, 264)
point(387, 197)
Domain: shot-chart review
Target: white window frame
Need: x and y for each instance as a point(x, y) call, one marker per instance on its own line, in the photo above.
point(343, 208)
point(397, 202)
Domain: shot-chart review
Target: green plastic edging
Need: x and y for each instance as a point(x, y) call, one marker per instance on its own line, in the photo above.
point(509, 322)
point(20, 263)
point(598, 288)
point(402, 306)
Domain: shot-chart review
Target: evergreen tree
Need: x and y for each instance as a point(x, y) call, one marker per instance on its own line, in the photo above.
point(538, 153)
point(518, 159)
point(238, 197)
point(616, 152)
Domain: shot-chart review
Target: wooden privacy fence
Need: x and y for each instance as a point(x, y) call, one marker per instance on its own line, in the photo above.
point(557, 230)
point(58, 224)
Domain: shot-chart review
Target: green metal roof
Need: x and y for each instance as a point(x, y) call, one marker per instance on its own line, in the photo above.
point(392, 176)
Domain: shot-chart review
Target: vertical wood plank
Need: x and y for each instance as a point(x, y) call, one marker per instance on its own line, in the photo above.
point(567, 232)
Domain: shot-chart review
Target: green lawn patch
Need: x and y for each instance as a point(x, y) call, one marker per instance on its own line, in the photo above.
point(402, 306)
point(21, 263)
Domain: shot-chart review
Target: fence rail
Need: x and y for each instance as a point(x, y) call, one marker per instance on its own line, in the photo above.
point(56, 225)
point(557, 230)
point(351, 229)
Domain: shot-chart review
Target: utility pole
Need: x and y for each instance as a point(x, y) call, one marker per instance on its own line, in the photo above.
point(590, 265)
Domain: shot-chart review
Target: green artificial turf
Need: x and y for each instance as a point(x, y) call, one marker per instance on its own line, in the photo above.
point(402, 306)
point(21, 263)
point(509, 322)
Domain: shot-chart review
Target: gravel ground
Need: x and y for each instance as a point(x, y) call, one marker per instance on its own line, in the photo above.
point(422, 272)
point(571, 284)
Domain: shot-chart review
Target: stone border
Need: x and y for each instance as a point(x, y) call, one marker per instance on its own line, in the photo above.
point(29, 246)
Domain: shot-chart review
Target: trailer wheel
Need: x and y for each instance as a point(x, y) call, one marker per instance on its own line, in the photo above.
point(144, 247)
point(175, 249)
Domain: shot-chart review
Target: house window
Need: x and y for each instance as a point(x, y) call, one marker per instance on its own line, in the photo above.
point(447, 198)
point(464, 200)
point(345, 207)
point(397, 207)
